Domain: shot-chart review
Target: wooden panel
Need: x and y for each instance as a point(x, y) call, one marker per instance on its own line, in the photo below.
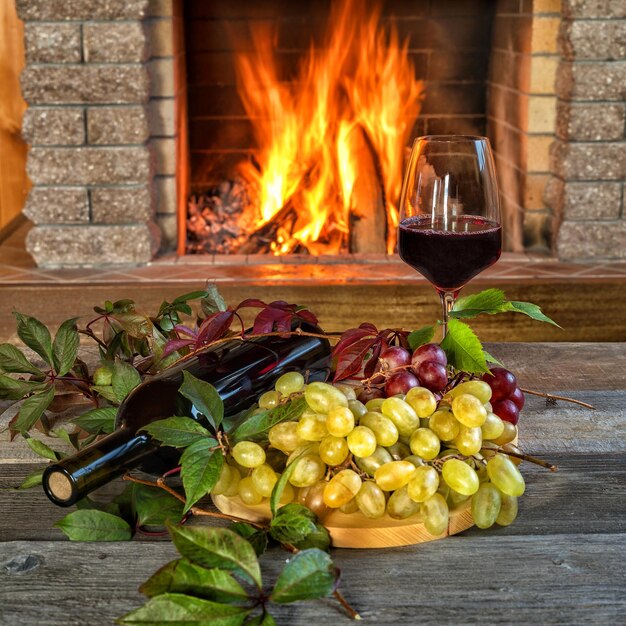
point(14, 184)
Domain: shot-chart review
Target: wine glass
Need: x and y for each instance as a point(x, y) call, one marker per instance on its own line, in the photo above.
point(450, 227)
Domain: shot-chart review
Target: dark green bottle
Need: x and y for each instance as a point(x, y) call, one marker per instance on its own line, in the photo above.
point(239, 370)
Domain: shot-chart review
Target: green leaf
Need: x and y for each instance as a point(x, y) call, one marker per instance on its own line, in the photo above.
point(279, 487)
point(292, 523)
point(65, 347)
point(217, 547)
point(179, 610)
point(213, 302)
point(69, 438)
point(15, 389)
point(134, 324)
point(154, 506)
point(177, 431)
point(319, 538)
point(35, 335)
point(106, 391)
point(193, 295)
point(530, 309)
point(40, 448)
point(94, 525)
point(421, 336)
point(489, 301)
point(204, 397)
point(125, 379)
point(12, 359)
point(200, 468)
point(256, 537)
point(97, 421)
point(256, 427)
point(489, 358)
point(261, 620)
point(183, 576)
point(33, 479)
point(31, 410)
point(463, 348)
point(308, 575)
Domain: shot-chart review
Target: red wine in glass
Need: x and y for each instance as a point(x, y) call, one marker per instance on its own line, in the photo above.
point(449, 257)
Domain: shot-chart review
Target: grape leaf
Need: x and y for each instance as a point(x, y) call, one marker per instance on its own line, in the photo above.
point(279, 487)
point(178, 431)
point(421, 336)
point(65, 347)
point(212, 302)
point(308, 575)
point(530, 309)
point(183, 576)
point(15, 389)
point(489, 358)
point(255, 537)
point(106, 391)
point(179, 609)
point(12, 359)
point(265, 619)
point(217, 547)
point(204, 397)
point(94, 525)
point(489, 301)
point(463, 348)
point(214, 327)
point(134, 324)
point(154, 506)
point(33, 479)
point(31, 410)
point(200, 470)
point(97, 420)
point(35, 335)
point(292, 523)
point(40, 448)
point(125, 379)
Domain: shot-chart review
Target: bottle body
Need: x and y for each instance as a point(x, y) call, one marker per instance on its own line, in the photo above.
point(239, 370)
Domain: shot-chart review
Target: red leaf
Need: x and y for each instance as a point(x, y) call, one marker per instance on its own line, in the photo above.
point(184, 330)
point(370, 367)
point(351, 336)
point(251, 302)
point(351, 359)
point(214, 327)
point(176, 344)
point(308, 317)
point(264, 321)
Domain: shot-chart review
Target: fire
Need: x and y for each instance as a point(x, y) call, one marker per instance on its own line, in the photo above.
point(358, 89)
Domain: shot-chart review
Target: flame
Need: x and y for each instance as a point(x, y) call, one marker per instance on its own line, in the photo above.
point(363, 80)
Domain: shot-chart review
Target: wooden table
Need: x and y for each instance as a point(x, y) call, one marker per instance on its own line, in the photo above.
point(563, 560)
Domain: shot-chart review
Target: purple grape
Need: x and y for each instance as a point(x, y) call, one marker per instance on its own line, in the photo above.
point(394, 357)
point(518, 398)
point(400, 383)
point(433, 375)
point(506, 410)
point(502, 383)
point(369, 394)
point(428, 352)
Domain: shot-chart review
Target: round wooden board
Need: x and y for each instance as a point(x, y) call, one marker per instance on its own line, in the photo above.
point(356, 530)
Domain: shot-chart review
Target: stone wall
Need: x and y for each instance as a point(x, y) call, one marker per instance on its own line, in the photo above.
point(100, 125)
point(588, 158)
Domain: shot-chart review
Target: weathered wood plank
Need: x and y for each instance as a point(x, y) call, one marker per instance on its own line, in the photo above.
point(561, 579)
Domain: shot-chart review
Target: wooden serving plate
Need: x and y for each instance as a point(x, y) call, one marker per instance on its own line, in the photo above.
point(357, 531)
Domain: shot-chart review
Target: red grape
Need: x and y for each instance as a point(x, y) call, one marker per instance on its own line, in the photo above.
point(400, 383)
point(369, 394)
point(517, 397)
point(428, 352)
point(394, 357)
point(502, 383)
point(433, 375)
point(506, 410)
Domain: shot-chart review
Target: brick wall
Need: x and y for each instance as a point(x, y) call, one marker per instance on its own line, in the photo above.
point(588, 162)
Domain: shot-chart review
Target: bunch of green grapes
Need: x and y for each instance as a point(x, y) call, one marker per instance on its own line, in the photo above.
point(402, 456)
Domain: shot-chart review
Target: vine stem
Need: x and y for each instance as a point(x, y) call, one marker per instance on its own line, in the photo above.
point(344, 603)
point(551, 396)
point(530, 459)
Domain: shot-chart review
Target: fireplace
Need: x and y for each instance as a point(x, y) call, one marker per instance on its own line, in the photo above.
point(134, 111)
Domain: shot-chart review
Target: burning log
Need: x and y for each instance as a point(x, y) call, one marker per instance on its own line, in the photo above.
point(368, 218)
point(259, 241)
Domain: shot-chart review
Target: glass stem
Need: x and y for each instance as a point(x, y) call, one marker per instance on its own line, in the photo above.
point(447, 302)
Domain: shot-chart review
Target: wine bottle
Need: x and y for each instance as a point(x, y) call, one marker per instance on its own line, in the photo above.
point(239, 370)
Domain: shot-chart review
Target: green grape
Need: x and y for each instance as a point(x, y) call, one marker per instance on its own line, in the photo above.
point(508, 434)
point(486, 504)
point(469, 410)
point(269, 400)
point(314, 499)
point(418, 461)
point(371, 463)
point(422, 400)
point(403, 415)
point(392, 476)
point(400, 506)
point(508, 510)
point(248, 454)
point(322, 397)
point(312, 427)
point(342, 488)
point(284, 437)
point(454, 498)
point(444, 425)
point(481, 472)
point(423, 484)
point(288, 495)
point(399, 451)
point(349, 507)
point(505, 475)
point(469, 440)
point(493, 427)
point(291, 382)
point(311, 447)
point(264, 478)
point(232, 489)
point(460, 477)
point(436, 514)
point(374, 404)
point(509, 447)
point(346, 390)
point(488, 407)
point(223, 481)
point(333, 450)
point(247, 492)
point(308, 470)
point(358, 408)
point(383, 428)
point(340, 421)
point(425, 443)
point(371, 500)
point(477, 388)
point(361, 441)
point(444, 490)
